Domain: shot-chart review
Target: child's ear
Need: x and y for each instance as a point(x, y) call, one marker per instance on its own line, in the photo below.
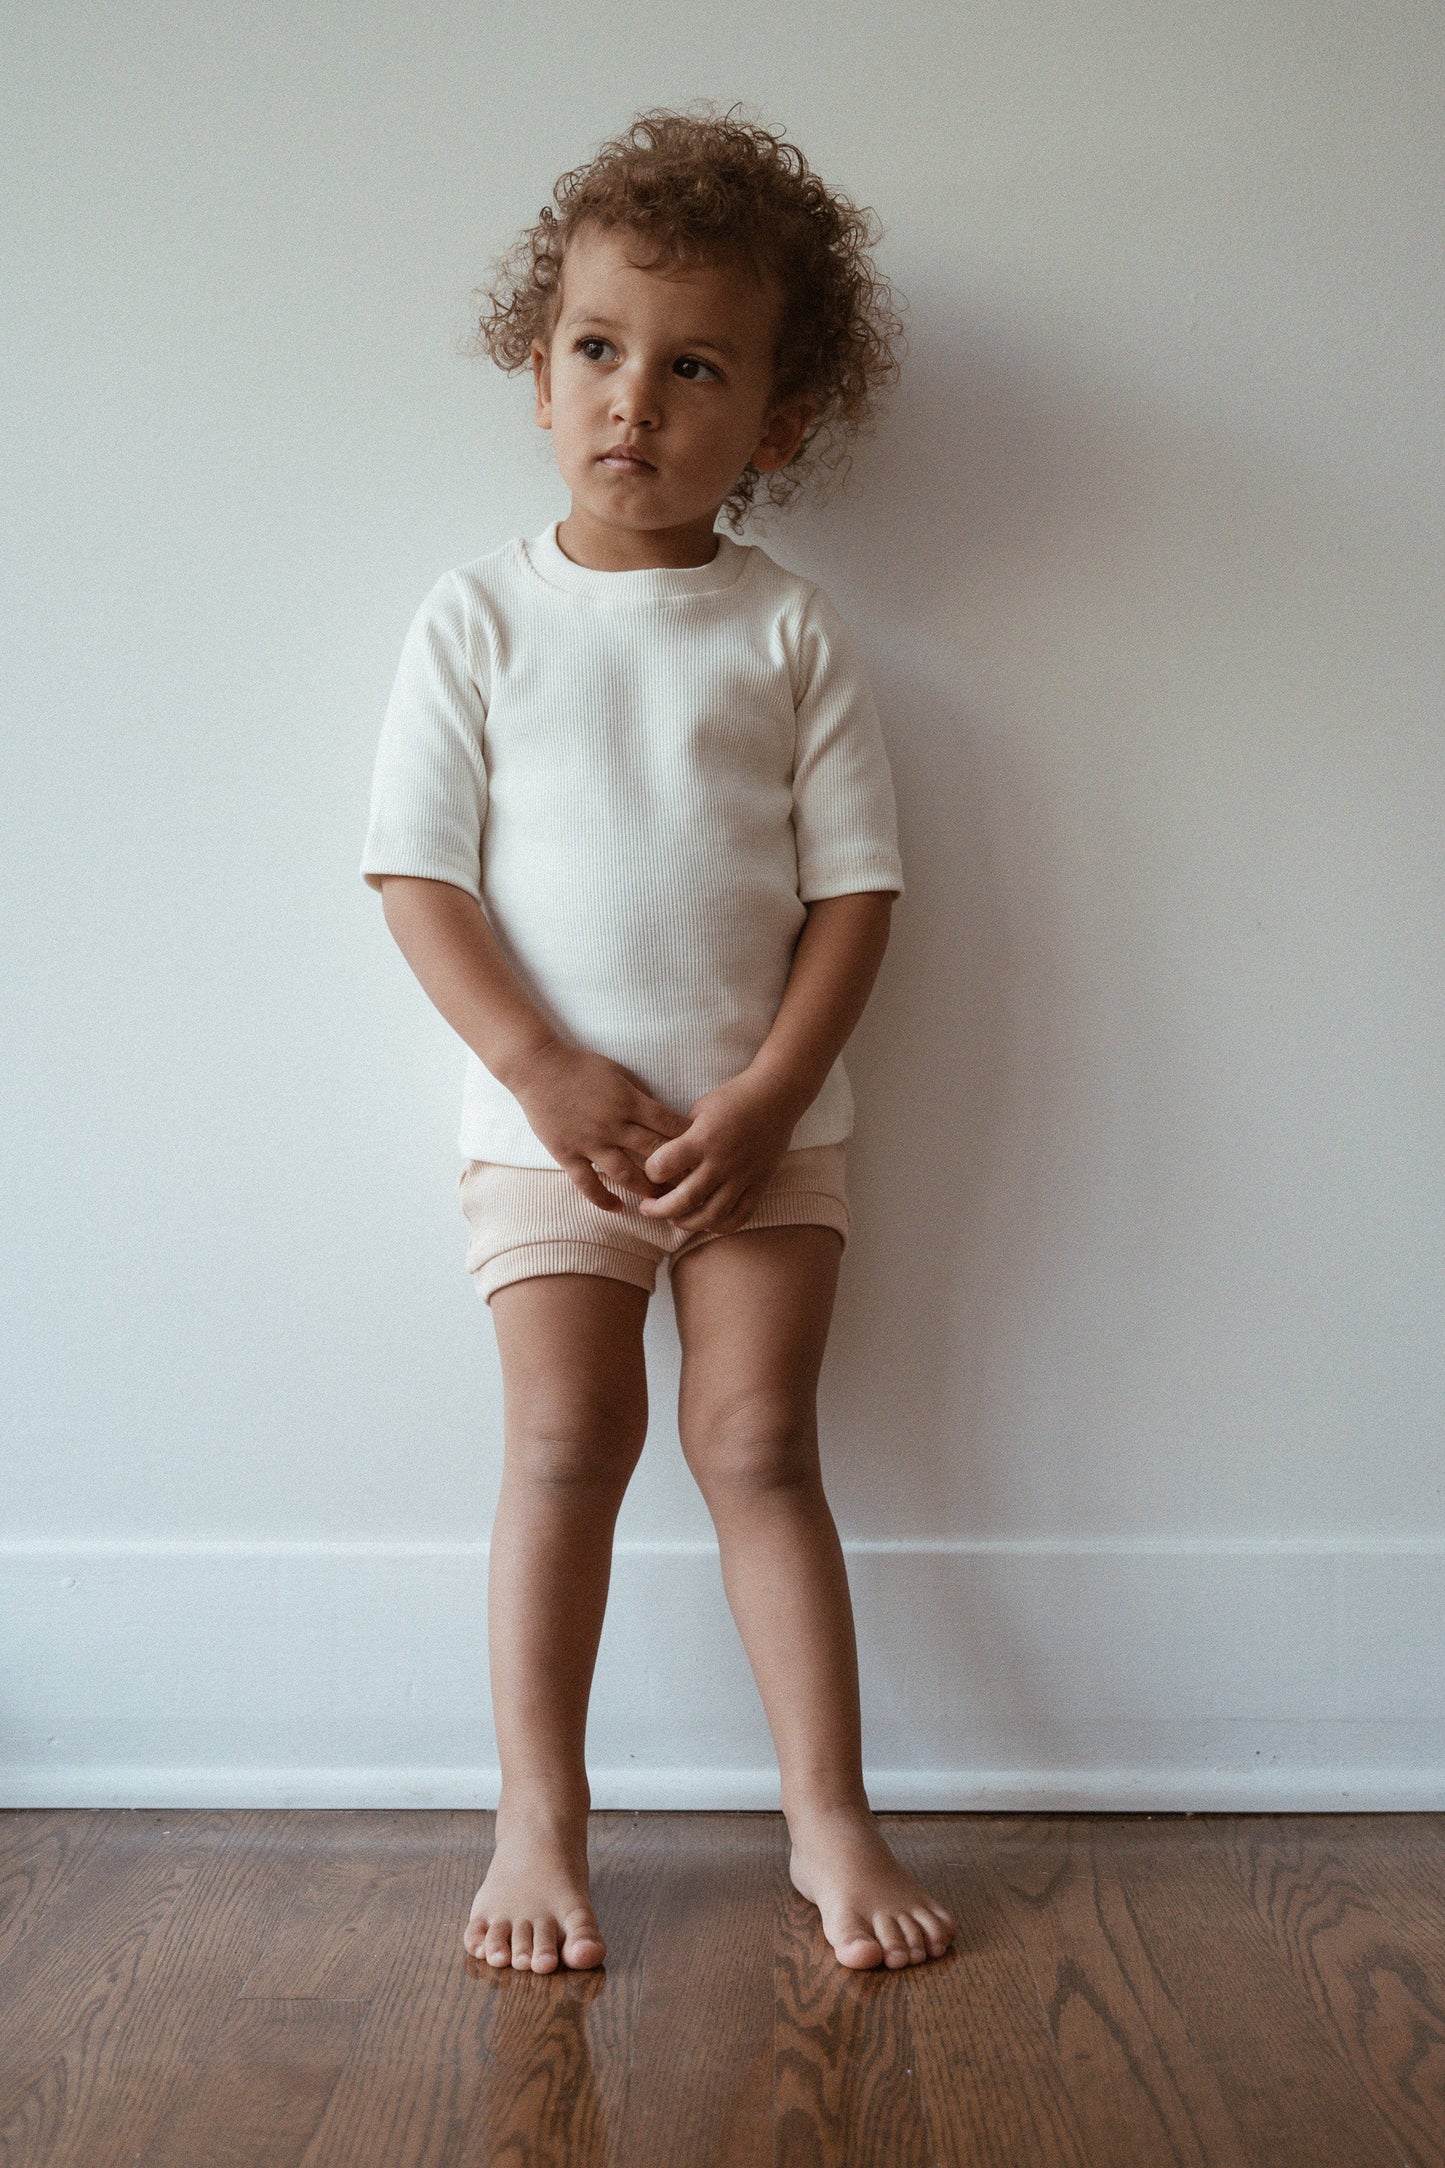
point(542, 379)
point(787, 426)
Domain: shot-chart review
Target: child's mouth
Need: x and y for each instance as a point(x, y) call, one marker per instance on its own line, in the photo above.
point(627, 463)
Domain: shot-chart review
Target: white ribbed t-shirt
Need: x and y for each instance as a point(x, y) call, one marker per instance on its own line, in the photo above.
point(643, 778)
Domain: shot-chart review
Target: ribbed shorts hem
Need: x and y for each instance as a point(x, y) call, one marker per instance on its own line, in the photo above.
point(528, 1260)
point(496, 1195)
point(791, 1208)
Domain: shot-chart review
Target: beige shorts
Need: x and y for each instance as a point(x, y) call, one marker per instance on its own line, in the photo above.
point(530, 1220)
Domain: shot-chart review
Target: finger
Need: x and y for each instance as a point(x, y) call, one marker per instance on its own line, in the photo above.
point(620, 1168)
point(640, 1143)
point(668, 1163)
point(584, 1175)
point(730, 1212)
point(747, 1192)
point(665, 1121)
point(613, 1165)
point(655, 1114)
point(739, 1212)
point(689, 1198)
point(688, 1194)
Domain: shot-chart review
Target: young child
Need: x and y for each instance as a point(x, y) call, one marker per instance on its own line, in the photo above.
point(634, 830)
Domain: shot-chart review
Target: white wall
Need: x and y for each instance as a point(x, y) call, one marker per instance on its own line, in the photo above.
point(1132, 1410)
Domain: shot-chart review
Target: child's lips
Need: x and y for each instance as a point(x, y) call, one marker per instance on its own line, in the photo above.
point(628, 463)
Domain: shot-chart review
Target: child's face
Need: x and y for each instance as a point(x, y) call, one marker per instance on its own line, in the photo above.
point(677, 367)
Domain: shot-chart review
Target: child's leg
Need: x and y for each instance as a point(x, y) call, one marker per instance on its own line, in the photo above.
point(753, 1310)
point(575, 1417)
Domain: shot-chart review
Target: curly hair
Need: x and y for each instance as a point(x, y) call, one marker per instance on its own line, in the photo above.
point(703, 187)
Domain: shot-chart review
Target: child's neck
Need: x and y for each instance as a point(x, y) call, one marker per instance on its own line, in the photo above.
point(600, 546)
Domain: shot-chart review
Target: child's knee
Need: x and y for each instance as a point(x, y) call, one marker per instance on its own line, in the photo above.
point(588, 1445)
point(751, 1446)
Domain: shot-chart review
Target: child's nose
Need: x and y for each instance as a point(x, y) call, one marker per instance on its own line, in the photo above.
point(635, 398)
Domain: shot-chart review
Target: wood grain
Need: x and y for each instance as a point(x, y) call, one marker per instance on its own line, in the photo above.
point(408, 2092)
point(1377, 1986)
point(845, 2089)
point(1292, 2095)
point(261, 2087)
point(988, 2069)
point(42, 1855)
point(79, 1999)
point(1126, 1991)
point(702, 2086)
point(1142, 2092)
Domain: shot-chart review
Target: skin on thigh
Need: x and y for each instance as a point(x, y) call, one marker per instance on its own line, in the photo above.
point(573, 1368)
point(753, 1310)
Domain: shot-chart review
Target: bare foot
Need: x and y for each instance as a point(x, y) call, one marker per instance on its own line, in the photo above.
point(873, 1910)
point(534, 1909)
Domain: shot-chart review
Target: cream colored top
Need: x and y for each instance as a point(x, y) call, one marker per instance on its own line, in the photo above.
point(643, 778)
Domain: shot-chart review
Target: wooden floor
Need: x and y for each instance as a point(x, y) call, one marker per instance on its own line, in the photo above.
point(192, 1990)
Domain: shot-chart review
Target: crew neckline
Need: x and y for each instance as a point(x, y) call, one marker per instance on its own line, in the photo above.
point(656, 583)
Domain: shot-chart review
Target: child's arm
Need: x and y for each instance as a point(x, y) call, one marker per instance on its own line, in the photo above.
point(834, 966)
point(588, 1111)
point(739, 1132)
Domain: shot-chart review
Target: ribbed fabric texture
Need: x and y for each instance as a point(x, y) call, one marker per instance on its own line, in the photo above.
point(527, 1220)
point(643, 777)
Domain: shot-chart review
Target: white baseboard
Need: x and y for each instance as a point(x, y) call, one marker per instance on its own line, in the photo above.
point(1149, 1675)
point(650, 1791)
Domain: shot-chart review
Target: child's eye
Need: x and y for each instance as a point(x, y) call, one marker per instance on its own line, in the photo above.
point(688, 362)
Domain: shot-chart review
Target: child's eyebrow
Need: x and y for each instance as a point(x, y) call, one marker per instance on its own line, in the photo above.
point(608, 323)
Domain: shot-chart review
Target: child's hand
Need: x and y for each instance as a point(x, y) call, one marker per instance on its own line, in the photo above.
point(594, 1116)
point(715, 1172)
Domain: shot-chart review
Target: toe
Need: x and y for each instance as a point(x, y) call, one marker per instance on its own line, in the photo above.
point(522, 1945)
point(937, 1931)
point(583, 1946)
point(544, 1946)
point(857, 1945)
point(886, 1928)
point(474, 1934)
point(499, 1943)
point(913, 1936)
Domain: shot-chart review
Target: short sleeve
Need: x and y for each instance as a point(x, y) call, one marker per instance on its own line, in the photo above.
point(429, 783)
point(844, 812)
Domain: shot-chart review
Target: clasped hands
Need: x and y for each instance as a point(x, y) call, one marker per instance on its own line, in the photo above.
point(704, 1170)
